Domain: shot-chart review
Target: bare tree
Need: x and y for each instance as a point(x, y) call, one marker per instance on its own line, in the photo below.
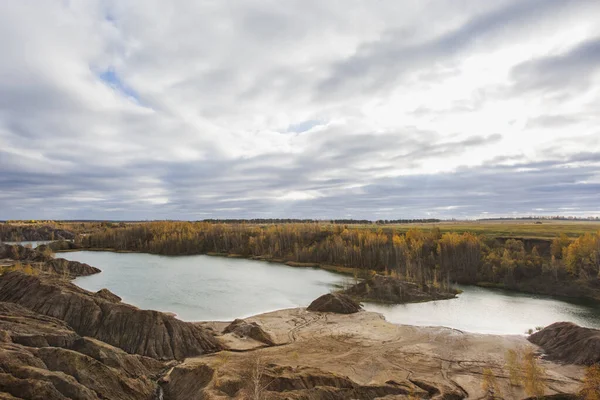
point(255, 377)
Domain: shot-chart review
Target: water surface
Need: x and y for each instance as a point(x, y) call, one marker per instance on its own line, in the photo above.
point(496, 311)
point(201, 287)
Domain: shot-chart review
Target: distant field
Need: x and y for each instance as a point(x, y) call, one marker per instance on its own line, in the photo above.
point(514, 228)
point(543, 229)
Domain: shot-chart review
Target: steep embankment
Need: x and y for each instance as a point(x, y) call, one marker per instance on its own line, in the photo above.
point(569, 343)
point(144, 332)
point(58, 341)
point(42, 358)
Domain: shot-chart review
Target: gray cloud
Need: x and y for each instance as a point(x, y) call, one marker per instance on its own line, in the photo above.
point(571, 70)
point(383, 62)
point(307, 109)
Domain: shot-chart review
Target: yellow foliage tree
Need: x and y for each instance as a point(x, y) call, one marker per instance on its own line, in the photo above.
point(591, 383)
point(514, 370)
point(490, 385)
point(533, 375)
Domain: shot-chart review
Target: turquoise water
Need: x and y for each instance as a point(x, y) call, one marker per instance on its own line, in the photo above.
point(202, 287)
point(492, 311)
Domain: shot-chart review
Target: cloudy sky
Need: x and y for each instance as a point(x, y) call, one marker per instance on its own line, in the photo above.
point(316, 109)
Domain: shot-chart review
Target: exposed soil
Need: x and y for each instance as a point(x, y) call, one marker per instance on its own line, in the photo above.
point(360, 356)
point(386, 289)
point(569, 343)
point(336, 303)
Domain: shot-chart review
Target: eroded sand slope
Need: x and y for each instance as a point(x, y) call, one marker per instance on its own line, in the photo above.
point(333, 356)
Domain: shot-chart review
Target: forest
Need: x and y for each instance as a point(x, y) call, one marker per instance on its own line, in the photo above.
point(564, 265)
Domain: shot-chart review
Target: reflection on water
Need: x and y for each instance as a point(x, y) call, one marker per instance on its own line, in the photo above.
point(492, 311)
point(214, 288)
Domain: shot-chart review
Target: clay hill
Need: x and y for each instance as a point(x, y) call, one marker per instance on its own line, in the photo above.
point(569, 343)
point(42, 358)
point(386, 289)
point(144, 332)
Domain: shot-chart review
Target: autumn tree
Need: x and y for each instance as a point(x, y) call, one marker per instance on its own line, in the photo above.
point(489, 385)
point(533, 375)
point(591, 383)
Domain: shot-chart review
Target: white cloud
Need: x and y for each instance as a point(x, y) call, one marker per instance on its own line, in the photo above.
point(153, 109)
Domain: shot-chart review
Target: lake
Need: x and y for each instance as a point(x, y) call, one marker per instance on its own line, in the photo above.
point(200, 288)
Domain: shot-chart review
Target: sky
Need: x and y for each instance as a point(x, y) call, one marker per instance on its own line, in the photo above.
point(378, 109)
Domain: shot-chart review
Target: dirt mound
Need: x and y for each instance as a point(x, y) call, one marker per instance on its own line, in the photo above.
point(335, 303)
point(387, 289)
point(252, 330)
point(569, 343)
point(145, 332)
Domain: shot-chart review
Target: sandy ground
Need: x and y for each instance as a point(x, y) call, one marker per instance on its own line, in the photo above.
point(372, 351)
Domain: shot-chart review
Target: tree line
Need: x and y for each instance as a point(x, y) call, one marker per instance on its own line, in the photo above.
point(423, 256)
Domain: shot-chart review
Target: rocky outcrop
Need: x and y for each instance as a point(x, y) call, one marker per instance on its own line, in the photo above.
point(251, 330)
point(187, 382)
point(569, 343)
point(335, 303)
point(386, 289)
point(42, 358)
point(145, 332)
point(108, 295)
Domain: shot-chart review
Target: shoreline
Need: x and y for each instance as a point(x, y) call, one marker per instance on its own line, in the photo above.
point(350, 272)
point(327, 267)
point(393, 313)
